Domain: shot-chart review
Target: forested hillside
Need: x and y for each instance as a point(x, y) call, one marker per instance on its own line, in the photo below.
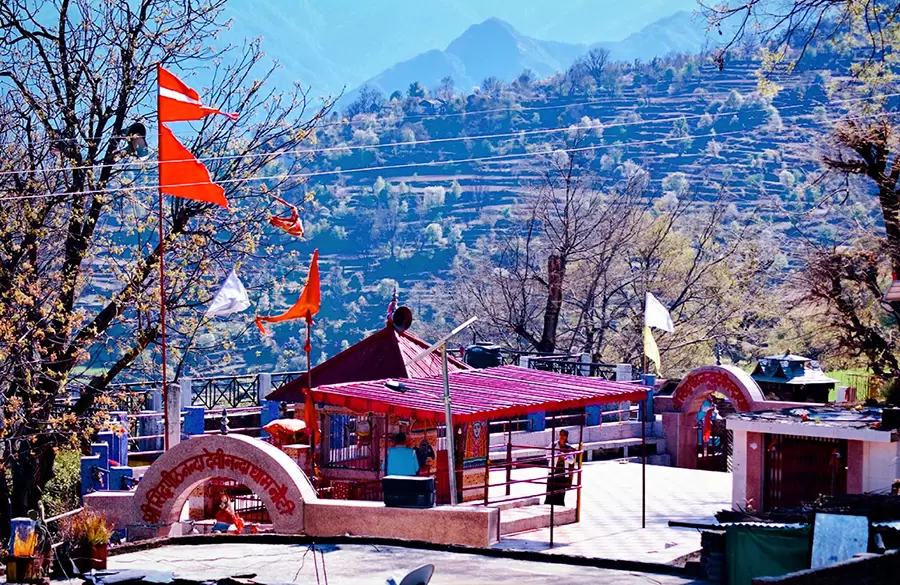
point(407, 190)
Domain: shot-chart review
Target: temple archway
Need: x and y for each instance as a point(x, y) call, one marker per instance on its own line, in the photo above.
point(273, 476)
point(735, 383)
point(694, 440)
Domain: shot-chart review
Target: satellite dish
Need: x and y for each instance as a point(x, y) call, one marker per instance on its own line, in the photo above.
point(402, 318)
point(420, 576)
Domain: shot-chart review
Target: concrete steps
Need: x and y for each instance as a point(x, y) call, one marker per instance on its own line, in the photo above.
point(534, 517)
point(522, 503)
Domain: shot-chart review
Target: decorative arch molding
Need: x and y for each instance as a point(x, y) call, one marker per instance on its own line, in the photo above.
point(273, 476)
point(741, 389)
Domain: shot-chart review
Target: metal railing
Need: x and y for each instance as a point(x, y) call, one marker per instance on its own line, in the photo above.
point(867, 385)
point(573, 367)
point(572, 481)
point(225, 391)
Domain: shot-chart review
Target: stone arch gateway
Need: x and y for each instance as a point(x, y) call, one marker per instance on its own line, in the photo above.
point(741, 389)
point(273, 476)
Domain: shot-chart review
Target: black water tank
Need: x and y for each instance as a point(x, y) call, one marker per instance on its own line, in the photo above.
point(408, 492)
point(890, 419)
point(484, 355)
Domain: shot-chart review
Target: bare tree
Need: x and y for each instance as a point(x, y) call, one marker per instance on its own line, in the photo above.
point(571, 273)
point(78, 253)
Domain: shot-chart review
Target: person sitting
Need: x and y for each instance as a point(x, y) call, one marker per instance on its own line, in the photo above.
point(227, 519)
point(401, 460)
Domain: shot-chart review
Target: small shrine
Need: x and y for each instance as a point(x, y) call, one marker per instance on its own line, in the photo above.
point(793, 378)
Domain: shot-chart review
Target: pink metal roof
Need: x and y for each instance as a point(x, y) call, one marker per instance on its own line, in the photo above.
point(481, 394)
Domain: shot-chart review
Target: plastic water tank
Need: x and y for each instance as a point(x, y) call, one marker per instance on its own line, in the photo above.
point(483, 355)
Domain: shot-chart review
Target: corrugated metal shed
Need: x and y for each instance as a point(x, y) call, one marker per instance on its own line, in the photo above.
point(479, 394)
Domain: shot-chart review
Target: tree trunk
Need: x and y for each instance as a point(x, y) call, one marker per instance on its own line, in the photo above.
point(556, 273)
point(5, 509)
point(890, 209)
point(32, 467)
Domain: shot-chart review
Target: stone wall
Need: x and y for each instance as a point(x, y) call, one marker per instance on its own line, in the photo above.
point(461, 525)
point(154, 508)
point(865, 570)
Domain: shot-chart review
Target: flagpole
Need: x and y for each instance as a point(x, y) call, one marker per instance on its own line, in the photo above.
point(307, 347)
point(162, 272)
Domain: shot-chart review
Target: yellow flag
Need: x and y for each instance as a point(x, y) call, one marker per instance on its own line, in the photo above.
point(650, 348)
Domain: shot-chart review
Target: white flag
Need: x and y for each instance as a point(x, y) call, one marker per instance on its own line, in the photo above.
point(656, 315)
point(231, 298)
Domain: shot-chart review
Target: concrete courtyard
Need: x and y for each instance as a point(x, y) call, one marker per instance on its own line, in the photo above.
point(364, 565)
point(610, 524)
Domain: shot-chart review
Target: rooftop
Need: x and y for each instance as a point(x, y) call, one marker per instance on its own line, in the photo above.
point(478, 394)
point(820, 421)
point(384, 354)
point(893, 293)
point(790, 368)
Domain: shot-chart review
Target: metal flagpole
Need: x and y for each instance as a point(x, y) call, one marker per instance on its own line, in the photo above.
point(162, 271)
point(448, 425)
point(448, 415)
point(308, 349)
point(644, 463)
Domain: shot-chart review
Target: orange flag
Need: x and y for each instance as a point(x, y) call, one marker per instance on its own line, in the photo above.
point(309, 416)
point(307, 305)
point(180, 103)
point(182, 175)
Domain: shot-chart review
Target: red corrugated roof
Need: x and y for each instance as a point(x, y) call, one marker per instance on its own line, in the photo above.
point(384, 354)
point(490, 393)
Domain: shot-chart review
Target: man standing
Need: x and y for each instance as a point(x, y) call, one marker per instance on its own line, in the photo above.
point(560, 479)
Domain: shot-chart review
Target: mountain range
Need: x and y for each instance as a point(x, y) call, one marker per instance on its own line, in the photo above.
point(495, 48)
point(334, 45)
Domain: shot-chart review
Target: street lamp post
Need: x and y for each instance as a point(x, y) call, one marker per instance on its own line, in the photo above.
point(448, 413)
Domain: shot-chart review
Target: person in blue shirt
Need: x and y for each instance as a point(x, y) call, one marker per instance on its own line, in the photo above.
point(401, 460)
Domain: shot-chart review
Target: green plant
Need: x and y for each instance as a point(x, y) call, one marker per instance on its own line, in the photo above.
point(61, 494)
point(87, 527)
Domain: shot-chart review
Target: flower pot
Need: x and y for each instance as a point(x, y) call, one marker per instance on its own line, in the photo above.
point(90, 556)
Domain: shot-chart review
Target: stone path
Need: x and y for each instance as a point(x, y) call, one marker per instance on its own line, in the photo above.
point(366, 565)
point(610, 524)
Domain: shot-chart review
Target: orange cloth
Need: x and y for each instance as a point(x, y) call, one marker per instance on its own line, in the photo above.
point(293, 225)
point(182, 175)
point(306, 306)
point(285, 430)
point(178, 102)
point(227, 516)
point(310, 418)
point(707, 426)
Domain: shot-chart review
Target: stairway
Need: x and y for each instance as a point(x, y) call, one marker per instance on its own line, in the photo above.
point(530, 514)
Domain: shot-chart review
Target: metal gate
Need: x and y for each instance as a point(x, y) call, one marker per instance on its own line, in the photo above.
point(800, 469)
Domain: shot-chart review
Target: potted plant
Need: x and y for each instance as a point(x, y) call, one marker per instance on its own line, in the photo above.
point(87, 535)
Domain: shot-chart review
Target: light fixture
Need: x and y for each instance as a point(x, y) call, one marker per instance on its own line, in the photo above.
point(396, 386)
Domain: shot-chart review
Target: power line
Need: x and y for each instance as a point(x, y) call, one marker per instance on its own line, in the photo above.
point(312, 174)
point(345, 122)
point(510, 135)
point(375, 168)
